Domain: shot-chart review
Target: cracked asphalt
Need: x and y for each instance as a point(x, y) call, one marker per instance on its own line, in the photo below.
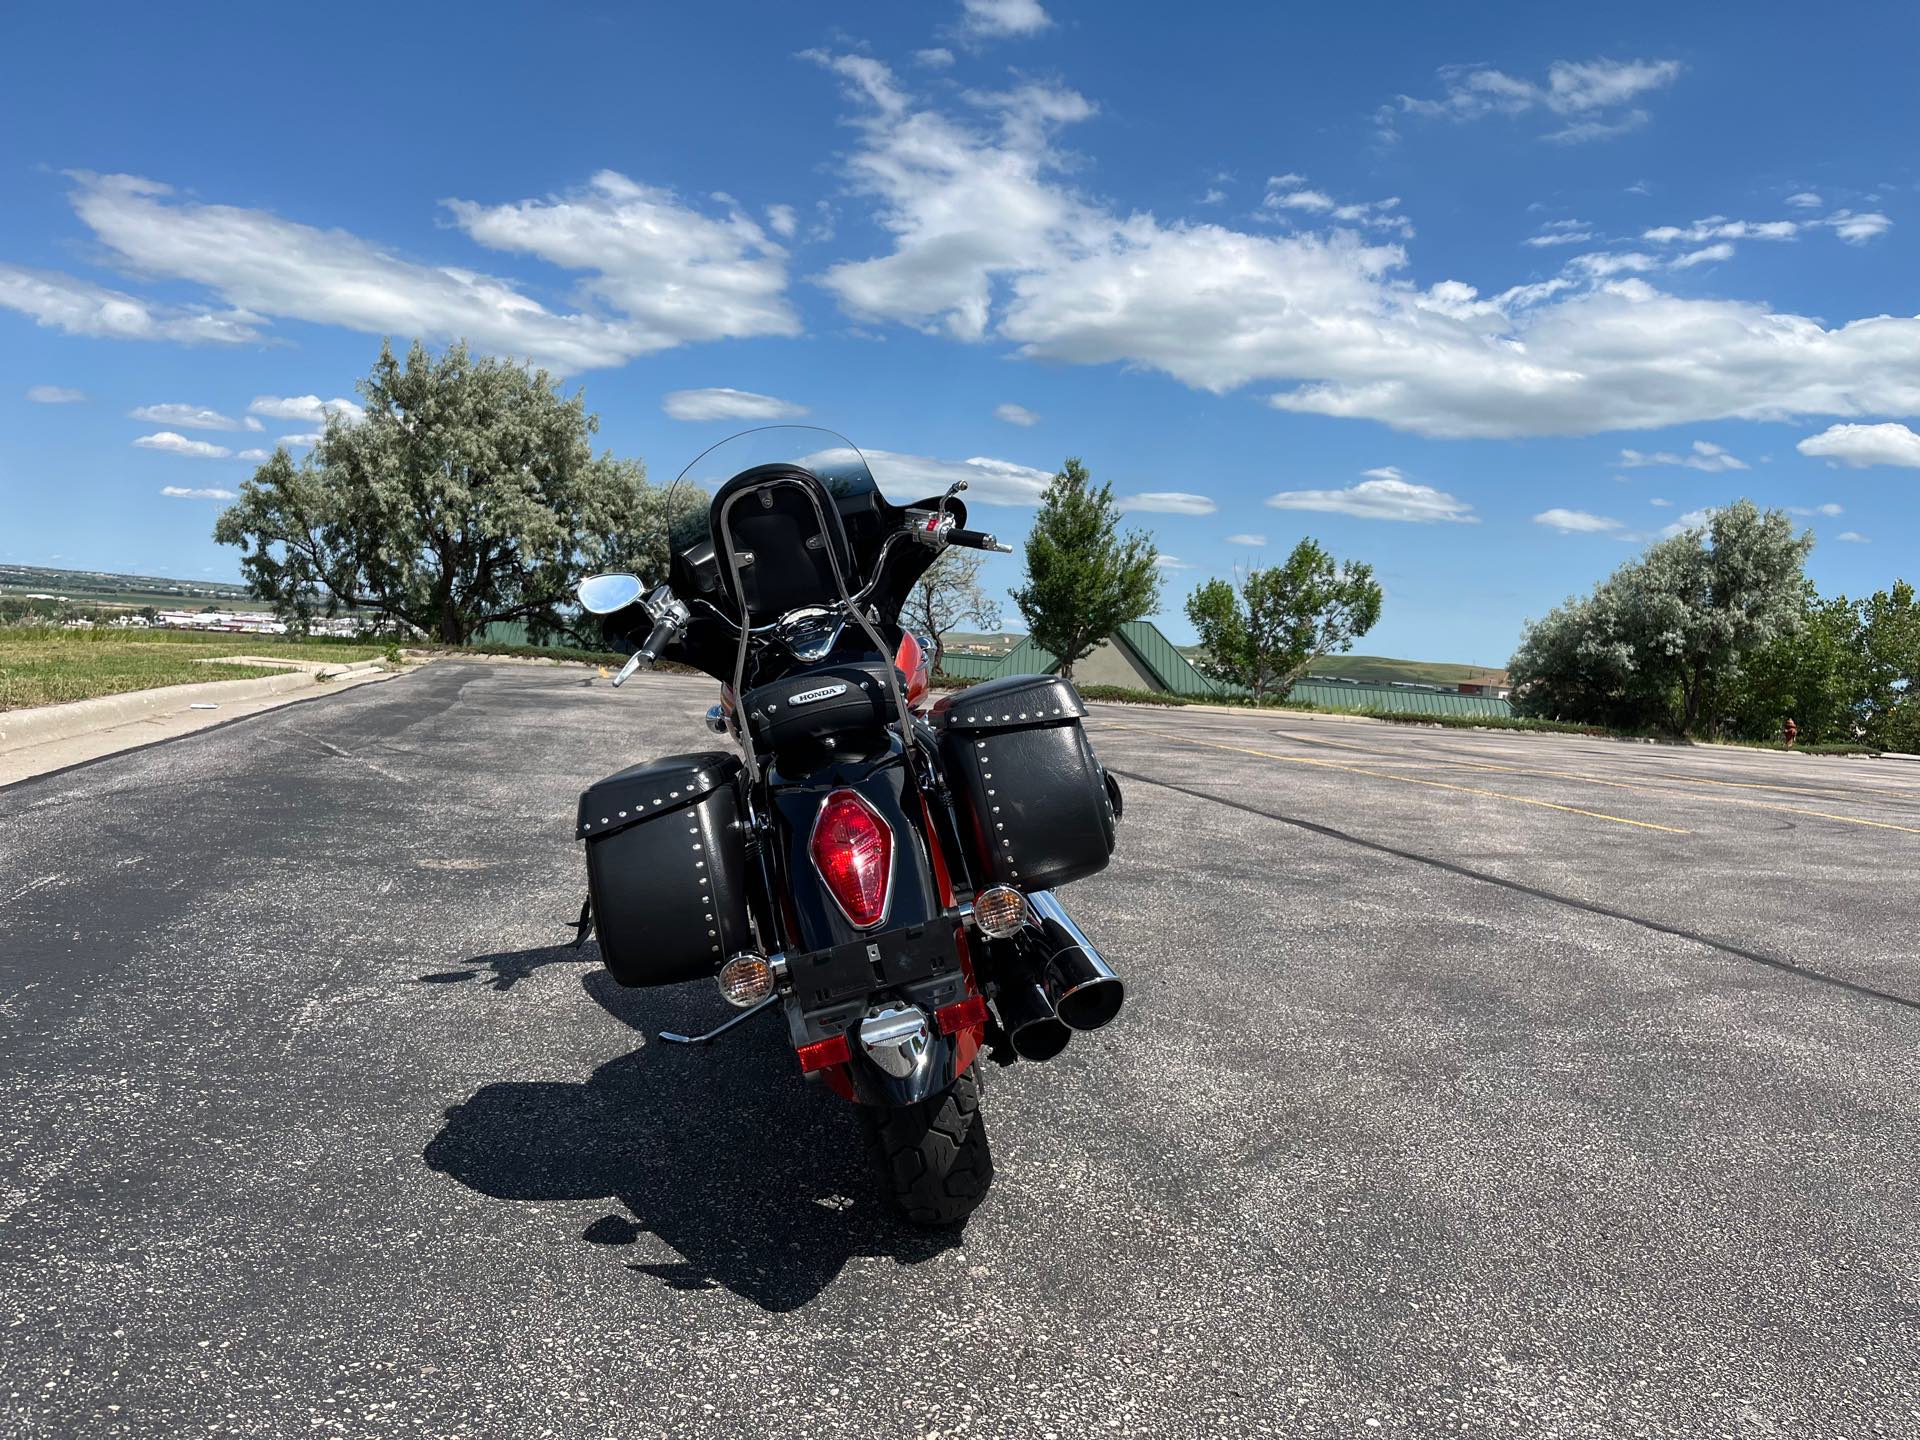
point(1469, 1083)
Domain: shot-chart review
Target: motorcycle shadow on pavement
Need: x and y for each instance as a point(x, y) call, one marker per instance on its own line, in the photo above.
point(755, 1179)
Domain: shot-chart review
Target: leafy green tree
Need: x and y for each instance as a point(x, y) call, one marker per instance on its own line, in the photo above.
point(948, 596)
point(1816, 673)
point(1666, 633)
point(1283, 619)
point(1890, 655)
point(469, 495)
point(1084, 579)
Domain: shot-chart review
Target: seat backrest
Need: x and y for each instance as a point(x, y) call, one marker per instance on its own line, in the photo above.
point(786, 538)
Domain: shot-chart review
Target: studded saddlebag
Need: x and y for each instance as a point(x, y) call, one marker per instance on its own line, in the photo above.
point(1031, 794)
point(667, 868)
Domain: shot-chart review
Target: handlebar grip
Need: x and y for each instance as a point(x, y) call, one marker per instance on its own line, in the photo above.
point(662, 636)
point(975, 539)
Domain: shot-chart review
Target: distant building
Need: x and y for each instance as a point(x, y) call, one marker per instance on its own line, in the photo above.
point(1495, 686)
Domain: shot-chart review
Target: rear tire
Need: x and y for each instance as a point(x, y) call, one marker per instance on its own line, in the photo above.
point(933, 1156)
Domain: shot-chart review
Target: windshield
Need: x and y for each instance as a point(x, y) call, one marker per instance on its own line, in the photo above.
point(833, 458)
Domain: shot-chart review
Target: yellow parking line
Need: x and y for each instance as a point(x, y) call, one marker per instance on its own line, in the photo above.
point(1410, 780)
point(1645, 788)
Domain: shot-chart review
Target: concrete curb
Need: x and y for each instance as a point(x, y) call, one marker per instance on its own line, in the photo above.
point(43, 723)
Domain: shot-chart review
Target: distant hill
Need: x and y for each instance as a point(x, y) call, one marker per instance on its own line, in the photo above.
point(1383, 670)
point(105, 587)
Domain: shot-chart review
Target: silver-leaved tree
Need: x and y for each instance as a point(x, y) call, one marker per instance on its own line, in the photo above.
point(468, 495)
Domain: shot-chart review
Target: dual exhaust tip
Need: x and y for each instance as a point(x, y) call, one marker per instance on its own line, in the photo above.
point(1060, 984)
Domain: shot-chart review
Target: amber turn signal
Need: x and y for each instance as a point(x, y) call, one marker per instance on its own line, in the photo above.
point(999, 911)
point(746, 980)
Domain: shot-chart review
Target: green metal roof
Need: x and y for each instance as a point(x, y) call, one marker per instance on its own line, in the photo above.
point(1175, 675)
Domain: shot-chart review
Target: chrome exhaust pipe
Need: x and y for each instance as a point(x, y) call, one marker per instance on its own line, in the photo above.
point(1026, 1011)
point(1087, 994)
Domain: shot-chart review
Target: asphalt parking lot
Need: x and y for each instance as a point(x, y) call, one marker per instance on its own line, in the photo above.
point(1469, 1083)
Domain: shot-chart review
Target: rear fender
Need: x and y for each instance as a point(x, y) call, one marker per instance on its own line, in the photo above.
point(918, 918)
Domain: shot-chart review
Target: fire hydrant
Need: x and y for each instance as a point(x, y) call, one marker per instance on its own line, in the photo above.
point(1789, 732)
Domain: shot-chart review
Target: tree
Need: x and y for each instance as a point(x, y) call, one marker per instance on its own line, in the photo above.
point(948, 596)
point(1890, 661)
point(469, 494)
point(1668, 632)
point(1293, 613)
point(1084, 579)
point(1816, 673)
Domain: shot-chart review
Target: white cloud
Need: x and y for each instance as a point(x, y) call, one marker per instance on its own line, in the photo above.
point(989, 481)
point(1601, 264)
point(176, 444)
point(55, 395)
point(997, 19)
point(1662, 504)
point(1578, 522)
point(1704, 255)
point(1214, 196)
point(988, 237)
point(670, 273)
point(1704, 456)
point(1858, 229)
point(1290, 192)
point(676, 275)
point(181, 492)
point(310, 408)
point(1173, 562)
point(1718, 227)
point(782, 220)
point(1805, 200)
point(1169, 502)
point(1387, 498)
point(254, 455)
point(721, 403)
point(189, 417)
point(1594, 97)
point(1015, 414)
point(1254, 540)
point(1864, 445)
point(1853, 537)
point(301, 441)
point(1829, 510)
point(938, 58)
point(77, 307)
point(1301, 200)
point(1561, 232)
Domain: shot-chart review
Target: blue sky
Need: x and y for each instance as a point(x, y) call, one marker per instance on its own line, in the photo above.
point(1484, 295)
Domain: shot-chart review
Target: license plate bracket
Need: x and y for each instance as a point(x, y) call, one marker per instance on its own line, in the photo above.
point(822, 978)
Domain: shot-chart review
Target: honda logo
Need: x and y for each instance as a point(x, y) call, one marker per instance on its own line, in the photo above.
point(825, 692)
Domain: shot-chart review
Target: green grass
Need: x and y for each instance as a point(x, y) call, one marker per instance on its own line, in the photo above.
point(41, 665)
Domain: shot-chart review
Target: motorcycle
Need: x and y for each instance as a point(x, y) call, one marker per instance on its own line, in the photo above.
point(877, 863)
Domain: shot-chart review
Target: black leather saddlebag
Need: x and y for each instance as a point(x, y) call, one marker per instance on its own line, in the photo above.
point(667, 868)
point(817, 704)
point(1029, 789)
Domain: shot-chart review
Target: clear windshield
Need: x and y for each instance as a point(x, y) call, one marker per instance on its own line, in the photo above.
point(833, 458)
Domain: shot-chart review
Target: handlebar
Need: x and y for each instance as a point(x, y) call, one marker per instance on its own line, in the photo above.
point(661, 637)
point(977, 540)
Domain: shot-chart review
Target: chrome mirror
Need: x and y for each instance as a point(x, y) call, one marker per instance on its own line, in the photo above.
point(604, 594)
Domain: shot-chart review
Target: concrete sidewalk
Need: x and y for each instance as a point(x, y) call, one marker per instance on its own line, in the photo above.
point(51, 737)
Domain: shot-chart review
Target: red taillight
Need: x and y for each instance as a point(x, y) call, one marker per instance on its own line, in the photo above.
point(853, 851)
point(962, 1014)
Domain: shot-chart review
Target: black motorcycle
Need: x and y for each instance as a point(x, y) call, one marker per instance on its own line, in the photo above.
point(877, 863)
